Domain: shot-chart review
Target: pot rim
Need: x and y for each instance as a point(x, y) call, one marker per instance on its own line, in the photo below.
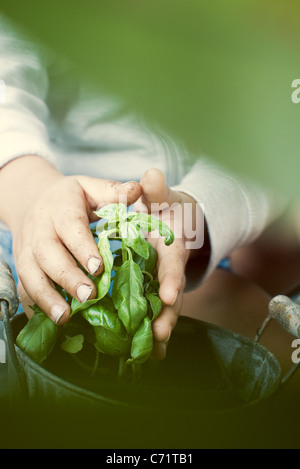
point(95, 397)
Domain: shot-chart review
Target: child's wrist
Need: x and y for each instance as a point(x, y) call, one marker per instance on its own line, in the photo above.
point(22, 180)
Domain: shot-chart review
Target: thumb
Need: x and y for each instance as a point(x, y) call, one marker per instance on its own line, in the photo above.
point(155, 189)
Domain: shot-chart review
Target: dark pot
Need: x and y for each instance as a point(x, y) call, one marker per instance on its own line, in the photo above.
point(211, 390)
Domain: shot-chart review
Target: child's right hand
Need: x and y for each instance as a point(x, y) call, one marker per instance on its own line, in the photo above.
point(49, 215)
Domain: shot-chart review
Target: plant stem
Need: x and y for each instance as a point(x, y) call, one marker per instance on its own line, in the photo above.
point(147, 273)
point(96, 362)
point(81, 363)
point(129, 253)
point(89, 369)
point(124, 254)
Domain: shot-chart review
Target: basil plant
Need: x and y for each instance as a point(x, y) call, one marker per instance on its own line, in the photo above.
point(118, 322)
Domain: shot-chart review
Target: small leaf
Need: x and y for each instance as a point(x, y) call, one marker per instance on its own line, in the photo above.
point(73, 344)
point(150, 223)
point(103, 282)
point(133, 237)
point(76, 306)
point(147, 264)
point(152, 286)
point(112, 212)
point(142, 343)
point(155, 304)
point(38, 338)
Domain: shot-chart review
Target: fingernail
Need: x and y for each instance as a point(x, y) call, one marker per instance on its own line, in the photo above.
point(93, 264)
point(174, 299)
point(56, 312)
point(127, 184)
point(83, 293)
point(168, 338)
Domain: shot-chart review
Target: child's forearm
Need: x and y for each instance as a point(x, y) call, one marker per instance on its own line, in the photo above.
point(22, 180)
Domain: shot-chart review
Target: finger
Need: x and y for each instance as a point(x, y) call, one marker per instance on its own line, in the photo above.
point(171, 269)
point(62, 268)
point(100, 192)
point(39, 288)
point(72, 228)
point(163, 326)
point(155, 190)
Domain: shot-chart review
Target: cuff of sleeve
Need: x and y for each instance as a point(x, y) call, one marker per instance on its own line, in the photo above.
point(209, 255)
point(17, 144)
point(236, 213)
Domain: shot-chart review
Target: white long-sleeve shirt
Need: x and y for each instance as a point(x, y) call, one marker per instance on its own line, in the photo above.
point(46, 111)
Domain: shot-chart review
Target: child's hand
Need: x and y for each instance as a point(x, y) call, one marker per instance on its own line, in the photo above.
point(49, 217)
point(171, 259)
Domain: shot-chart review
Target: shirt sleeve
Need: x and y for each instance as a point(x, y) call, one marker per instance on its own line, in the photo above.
point(24, 88)
point(236, 209)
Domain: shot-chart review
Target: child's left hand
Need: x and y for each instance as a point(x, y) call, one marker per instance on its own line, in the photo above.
point(172, 259)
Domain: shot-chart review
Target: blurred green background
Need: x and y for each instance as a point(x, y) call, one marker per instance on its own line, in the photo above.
point(216, 74)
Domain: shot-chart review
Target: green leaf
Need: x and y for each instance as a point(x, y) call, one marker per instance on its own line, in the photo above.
point(99, 313)
point(38, 338)
point(142, 343)
point(128, 296)
point(76, 306)
point(103, 282)
point(133, 237)
point(112, 212)
point(152, 286)
point(150, 223)
point(155, 304)
point(151, 262)
point(111, 336)
point(147, 264)
point(73, 344)
point(111, 343)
